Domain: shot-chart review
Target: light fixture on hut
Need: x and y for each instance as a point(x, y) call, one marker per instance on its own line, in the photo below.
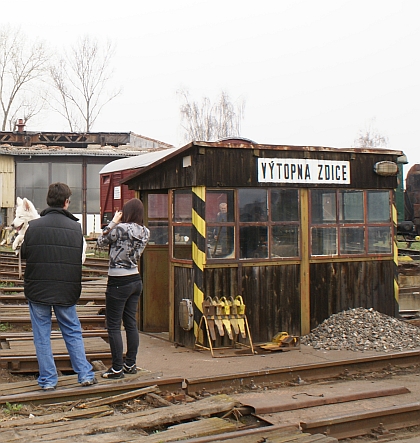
point(386, 169)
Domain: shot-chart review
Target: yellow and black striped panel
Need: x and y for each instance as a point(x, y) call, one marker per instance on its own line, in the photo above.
point(198, 250)
point(396, 287)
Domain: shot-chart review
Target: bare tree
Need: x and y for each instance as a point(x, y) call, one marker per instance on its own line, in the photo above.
point(22, 66)
point(371, 138)
point(206, 121)
point(80, 80)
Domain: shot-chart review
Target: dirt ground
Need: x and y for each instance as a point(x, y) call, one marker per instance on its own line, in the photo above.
point(7, 377)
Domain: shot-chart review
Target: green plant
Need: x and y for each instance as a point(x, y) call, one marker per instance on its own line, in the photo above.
point(12, 408)
point(4, 327)
point(6, 284)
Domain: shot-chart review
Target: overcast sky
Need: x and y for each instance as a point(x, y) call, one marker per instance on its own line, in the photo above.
point(311, 72)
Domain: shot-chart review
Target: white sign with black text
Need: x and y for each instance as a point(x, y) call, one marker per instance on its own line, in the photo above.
point(117, 192)
point(301, 170)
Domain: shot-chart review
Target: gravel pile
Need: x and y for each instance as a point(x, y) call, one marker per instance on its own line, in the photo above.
point(363, 329)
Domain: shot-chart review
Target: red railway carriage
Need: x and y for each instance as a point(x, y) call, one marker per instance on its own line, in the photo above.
point(113, 194)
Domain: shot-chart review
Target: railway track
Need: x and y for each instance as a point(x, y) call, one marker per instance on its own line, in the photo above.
point(378, 422)
point(342, 422)
point(17, 353)
point(9, 269)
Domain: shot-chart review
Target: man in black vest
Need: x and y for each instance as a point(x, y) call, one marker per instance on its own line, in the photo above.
point(53, 248)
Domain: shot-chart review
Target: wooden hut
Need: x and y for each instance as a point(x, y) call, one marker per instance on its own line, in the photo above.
point(300, 233)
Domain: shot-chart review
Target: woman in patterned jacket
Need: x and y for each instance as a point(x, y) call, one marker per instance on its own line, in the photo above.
point(126, 237)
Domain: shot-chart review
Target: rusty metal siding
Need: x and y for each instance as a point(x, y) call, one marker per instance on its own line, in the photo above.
point(338, 286)
point(272, 299)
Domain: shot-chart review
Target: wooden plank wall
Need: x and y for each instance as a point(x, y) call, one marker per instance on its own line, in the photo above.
point(338, 286)
point(183, 288)
point(272, 298)
point(270, 293)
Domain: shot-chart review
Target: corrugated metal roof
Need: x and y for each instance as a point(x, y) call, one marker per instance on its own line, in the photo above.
point(90, 151)
point(139, 161)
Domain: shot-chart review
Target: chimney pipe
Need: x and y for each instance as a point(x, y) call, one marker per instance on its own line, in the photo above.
point(20, 125)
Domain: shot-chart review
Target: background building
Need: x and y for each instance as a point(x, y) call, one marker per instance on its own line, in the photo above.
point(30, 161)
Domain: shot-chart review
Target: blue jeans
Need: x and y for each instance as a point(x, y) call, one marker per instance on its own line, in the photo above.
point(121, 306)
point(70, 327)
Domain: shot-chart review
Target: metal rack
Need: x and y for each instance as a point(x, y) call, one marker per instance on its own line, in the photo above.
point(220, 317)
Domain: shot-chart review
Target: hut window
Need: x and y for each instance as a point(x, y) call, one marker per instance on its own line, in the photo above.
point(379, 222)
point(220, 218)
point(284, 223)
point(253, 229)
point(324, 213)
point(157, 218)
point(379, 208)
point(351, 217)
point(324, 241)
point(350, 222)
point(182, 224)
point(264, 224)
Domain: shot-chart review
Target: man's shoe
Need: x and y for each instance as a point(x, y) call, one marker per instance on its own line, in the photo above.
point(90, 382)
point(130, 369)
point(49, 388)
point(112, 373)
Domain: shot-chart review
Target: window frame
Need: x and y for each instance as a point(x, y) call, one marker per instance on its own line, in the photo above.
point(269, 224)
point(340, 225)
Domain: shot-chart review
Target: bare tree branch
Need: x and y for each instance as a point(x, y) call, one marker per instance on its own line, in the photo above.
point(207, 121)
point(371, 138)
point(22, 67)
point(80, 81)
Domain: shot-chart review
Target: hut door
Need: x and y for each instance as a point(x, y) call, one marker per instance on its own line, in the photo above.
point(155, 306)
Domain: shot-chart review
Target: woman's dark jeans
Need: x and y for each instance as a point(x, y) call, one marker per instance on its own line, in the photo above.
point(121, 305)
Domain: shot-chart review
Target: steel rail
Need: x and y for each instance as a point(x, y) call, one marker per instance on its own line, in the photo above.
point(308, 372)
point(363, 423)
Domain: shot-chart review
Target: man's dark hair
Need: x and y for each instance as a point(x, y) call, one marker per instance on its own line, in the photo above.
point(133, 212)
point(57, 195)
